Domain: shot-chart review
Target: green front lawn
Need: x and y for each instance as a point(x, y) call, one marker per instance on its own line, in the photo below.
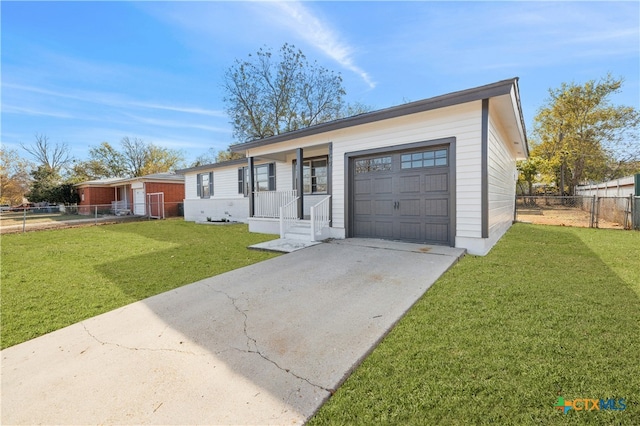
point(51, 279)
point(549, 312)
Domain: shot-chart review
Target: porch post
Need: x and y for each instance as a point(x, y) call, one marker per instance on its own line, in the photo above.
point(300, 186)
point(252, 207)
point(330, 182)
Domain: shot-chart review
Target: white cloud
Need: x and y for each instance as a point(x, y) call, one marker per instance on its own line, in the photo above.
point(14, 109)
point(177, 124)
point(322, 36)
point(187, 110)
point(110, 99)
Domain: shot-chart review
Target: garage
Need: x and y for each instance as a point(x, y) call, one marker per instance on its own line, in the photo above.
point(440, 170)
point(403, 195)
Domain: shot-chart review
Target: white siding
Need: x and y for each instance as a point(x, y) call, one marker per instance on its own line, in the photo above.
point(501, 185)
point(461, 121)
point(284, 176)
point(225, 183)
point(225, 202)
point(502, 179)
point(190, 186)
point(200, 209)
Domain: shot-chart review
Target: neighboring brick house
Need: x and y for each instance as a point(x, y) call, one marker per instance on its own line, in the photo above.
point(134, 195)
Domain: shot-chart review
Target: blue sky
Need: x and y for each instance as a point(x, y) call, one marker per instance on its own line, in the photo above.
point(87, 72)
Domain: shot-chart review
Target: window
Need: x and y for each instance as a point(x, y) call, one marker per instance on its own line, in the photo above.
point(264, 178)
point(380, 164)
point(205, 185)
point(424, 159)
point(314, 175)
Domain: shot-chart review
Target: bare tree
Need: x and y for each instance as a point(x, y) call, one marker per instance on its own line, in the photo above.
point(52, 156)
point(142, 158)
point(135, 152)
point(266, 96)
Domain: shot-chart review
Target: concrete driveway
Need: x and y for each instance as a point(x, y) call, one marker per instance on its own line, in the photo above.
point(265, 344)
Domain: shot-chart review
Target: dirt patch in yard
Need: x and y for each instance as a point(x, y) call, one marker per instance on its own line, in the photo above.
point(561, 216)
point(42, 226)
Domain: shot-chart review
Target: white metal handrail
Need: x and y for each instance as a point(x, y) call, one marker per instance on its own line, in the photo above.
point(119, 207)
point(319, 217)
point(288, 216)
point(268, 203)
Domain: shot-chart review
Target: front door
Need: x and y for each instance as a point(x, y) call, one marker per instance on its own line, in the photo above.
point(138, 202)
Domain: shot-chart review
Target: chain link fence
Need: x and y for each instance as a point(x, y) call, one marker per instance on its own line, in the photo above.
point(31, 217)
point(580, 211)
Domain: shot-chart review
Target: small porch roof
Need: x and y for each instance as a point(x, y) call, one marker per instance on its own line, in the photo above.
point(281, 155)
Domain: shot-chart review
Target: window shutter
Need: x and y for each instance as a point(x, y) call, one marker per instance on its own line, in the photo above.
point(210, 184)
point(272, 177)
point(199, 185)
point(241, 180)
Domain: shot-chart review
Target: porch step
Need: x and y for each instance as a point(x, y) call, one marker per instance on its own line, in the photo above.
point(300, 231)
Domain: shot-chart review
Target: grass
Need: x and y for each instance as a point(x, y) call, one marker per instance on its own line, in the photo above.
point(51, 279)
point(550, 311)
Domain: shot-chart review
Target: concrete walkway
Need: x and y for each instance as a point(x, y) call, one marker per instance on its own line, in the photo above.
point(265, 344)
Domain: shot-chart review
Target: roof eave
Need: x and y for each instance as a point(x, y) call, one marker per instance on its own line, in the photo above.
point(455, 98)
point(212, 166)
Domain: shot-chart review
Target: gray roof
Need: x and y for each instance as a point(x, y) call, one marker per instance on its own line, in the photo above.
point(161, 176)
point(166, 176)
point(203, 167)
point(455, 98)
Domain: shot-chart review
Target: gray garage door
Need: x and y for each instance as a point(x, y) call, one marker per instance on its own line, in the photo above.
point(403, 196)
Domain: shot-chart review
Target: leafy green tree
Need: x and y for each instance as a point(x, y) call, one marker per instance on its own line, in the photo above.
point(266, 96)
point(212, 156)
point(228, 155)
point(356, 108)
point(136, 158)
point(14, 176)
point(45, 180)
point(582, 136)
point(528, 170)
point(158, 160)
point(48, 187)
point(65, 193)
point(104, 162)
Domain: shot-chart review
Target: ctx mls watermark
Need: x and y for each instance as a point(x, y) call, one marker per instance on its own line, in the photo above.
point(589, 404)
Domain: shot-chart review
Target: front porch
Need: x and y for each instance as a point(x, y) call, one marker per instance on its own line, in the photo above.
point(277, 213)
point(299, 208)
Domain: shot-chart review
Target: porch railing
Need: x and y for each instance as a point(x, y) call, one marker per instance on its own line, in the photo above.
point(268, 203)
point(288, 216)
point(120, 207)
point(319, 218)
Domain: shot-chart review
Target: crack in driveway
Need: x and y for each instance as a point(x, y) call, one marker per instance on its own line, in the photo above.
point(256, 350)
point(129, 348)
